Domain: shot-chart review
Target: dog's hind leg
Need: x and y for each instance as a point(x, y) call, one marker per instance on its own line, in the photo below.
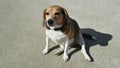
point(82, 43)
point(65, 55)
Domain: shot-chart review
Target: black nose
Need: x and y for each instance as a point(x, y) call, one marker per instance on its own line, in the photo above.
point(51, 22)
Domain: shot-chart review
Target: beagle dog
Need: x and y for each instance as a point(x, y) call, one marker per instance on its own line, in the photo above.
point(62, 30)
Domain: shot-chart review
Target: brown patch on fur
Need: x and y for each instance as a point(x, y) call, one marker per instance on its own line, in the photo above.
point(70, 34)
point(71, 29)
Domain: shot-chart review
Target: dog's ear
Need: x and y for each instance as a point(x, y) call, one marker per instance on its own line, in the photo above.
point(65, 13)
point(43, 15)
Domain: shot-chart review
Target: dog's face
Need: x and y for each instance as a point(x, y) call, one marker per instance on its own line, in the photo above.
point(55, 16)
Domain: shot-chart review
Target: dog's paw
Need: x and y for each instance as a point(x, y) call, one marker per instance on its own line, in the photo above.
point(66, 58)
point(88, 59)
point(45, 51)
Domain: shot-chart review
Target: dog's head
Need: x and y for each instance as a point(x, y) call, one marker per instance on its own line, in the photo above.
point(55, 17)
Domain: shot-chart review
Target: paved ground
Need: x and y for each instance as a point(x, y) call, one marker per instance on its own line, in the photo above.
point(22, 38)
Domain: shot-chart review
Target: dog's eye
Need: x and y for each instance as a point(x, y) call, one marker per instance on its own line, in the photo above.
point(46, 13)
point(57, 13)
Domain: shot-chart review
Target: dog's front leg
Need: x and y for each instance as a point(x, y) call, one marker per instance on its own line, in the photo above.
point(45, 51)
point(65, 55)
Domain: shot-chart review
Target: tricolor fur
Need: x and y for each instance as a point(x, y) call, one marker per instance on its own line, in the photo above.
point(62, 30)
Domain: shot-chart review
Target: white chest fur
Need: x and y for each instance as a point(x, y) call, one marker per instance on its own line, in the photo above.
point(56, 36)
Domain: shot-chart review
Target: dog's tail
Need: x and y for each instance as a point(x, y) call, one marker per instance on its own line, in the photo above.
point(89, 36)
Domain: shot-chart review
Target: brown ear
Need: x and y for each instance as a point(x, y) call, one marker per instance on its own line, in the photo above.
point(65, 13)
point(43, 18)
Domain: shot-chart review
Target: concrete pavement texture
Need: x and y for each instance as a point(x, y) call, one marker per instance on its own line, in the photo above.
point(22, 37)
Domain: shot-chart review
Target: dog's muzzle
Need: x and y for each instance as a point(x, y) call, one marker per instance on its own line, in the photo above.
point(50, 22)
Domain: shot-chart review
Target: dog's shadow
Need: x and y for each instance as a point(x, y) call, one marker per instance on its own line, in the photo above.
point(101, 38)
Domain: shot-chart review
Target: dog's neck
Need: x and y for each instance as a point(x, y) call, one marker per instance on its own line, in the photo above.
point(63, 28)
point(56, 29)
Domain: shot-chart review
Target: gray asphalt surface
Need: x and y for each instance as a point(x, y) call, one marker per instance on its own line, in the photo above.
point(22, 37)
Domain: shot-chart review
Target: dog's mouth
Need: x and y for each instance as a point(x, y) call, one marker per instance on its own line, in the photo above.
point(52, 25)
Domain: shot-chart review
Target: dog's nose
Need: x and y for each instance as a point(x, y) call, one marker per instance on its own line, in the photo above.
point(51, 22)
